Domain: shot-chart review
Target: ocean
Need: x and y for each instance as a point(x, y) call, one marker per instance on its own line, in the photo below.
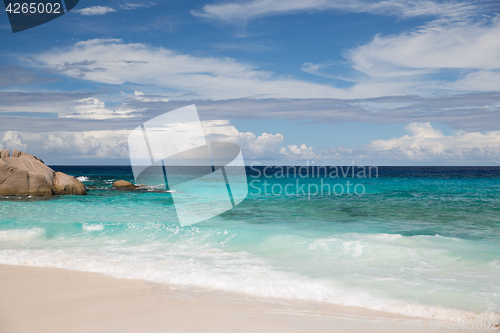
point(420, 241)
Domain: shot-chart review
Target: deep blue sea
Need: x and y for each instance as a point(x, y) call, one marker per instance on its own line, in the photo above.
point(421, 241)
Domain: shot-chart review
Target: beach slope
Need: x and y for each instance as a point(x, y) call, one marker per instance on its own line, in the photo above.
point(53, 300)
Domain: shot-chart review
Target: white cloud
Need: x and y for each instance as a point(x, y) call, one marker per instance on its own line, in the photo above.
point(92, 108)
point(451, 46)
point(100, 144)
point(140, 96)
point(423, 145)
point(12, 139)
point(454, 56)
point(298, 152)
point(243, 11)
point(133, 6)
point(264, 146)
point(471, 112)
point(114, 62)
point(114, 143)
point(428, 143)
point(316, 69)
point(95, 10)
point(457, 50)
point(405, 64)
point(482, 80)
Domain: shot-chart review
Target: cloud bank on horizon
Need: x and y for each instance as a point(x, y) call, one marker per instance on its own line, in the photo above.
point(420, 80)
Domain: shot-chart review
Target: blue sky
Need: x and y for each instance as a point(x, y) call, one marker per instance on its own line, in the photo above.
point(398, 82)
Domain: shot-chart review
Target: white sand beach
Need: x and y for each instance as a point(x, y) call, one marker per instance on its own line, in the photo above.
point(34, 299)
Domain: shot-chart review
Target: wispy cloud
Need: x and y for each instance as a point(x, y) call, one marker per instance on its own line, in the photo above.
point(133, 6)
point(450, 58)
point(115, 62)
point(475, 112)
point(112, 61)
point(317, 69)
point(95, 10)
point(242, 12)
point(452, 46)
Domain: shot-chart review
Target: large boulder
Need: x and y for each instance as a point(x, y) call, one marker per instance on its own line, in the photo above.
point(26, 175)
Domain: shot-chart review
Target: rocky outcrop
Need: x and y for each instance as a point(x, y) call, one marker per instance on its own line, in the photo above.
point(123, 184)
point(23, 174)
point(65, 184)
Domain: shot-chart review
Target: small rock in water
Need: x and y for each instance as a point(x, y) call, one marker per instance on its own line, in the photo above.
point(123, 184)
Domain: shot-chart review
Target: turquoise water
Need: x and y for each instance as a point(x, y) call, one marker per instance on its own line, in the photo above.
point(418, 241)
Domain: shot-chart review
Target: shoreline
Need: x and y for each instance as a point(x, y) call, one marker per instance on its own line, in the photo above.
point(39, 299)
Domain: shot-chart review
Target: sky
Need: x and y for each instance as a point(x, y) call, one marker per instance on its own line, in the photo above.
point(292, 82)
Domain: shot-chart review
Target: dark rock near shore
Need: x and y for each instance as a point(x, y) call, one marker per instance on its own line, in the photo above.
point(23, 174)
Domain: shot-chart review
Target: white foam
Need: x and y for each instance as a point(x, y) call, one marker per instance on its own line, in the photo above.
point(240, 273)
point(17, 235)
point(83, 178)
point(390, 237)
point(353, 247)
point(92, 227)
point(196, 257)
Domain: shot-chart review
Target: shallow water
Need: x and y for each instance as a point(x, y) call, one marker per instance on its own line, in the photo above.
point(418, 241)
